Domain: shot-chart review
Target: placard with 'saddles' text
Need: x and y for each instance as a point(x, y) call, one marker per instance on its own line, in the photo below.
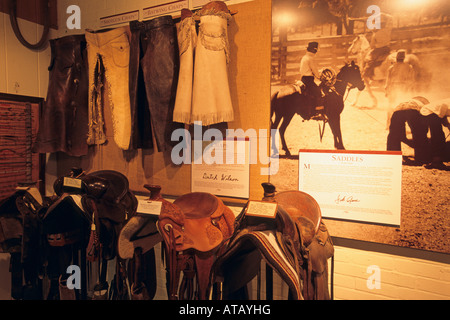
point(354, 185)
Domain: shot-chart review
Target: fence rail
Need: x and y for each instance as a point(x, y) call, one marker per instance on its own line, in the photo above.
point(425, 42)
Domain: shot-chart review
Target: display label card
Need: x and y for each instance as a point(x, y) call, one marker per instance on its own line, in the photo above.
point(163, 9)
point(152, 207)
point(119, 18)
point(352, 185)
point(221, 167)
point(262, 209)
point(72, 182)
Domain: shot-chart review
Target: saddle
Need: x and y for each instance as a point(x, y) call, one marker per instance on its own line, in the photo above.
point(110, 203)
point(136, 243)
point(105, 203)
point(20, 236)
point(316, 246)
point(295, 244)
point(193, 233)
point(303, 210)
point(240, 261)
point(276, 241)
point(65, 222)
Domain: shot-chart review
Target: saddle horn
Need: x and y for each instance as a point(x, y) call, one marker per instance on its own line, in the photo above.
point(269, 190)
point(155, 191)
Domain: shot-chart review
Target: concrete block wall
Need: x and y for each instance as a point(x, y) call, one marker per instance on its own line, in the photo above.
point(401, 277)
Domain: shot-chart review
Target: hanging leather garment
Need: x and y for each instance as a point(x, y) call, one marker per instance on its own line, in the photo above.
point(64, 122)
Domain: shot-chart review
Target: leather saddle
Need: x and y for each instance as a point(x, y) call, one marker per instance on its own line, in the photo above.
point(105, 202)
point(315, 244)
point(240, 261)
point(21, 237)
point(111, 204)
point(65, 222)
point(136, 243)
point(295, 244)
point(193, 233)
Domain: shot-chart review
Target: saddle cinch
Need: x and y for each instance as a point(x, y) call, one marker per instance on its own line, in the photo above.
point(295, 244)
point(194, 232)
point(103, 203)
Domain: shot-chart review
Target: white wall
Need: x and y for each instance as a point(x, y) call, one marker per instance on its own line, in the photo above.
point(22, 71)
point(401, 277)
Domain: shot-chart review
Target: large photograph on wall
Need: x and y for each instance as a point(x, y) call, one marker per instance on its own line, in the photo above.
point(367, 77)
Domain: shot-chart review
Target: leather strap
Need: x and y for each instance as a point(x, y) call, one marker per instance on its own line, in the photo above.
point(63, 239)
point(203, 266)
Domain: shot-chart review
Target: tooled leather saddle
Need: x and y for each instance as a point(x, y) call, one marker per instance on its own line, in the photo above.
point(193, 232)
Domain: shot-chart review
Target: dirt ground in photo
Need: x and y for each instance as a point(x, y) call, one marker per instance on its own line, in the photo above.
point(425, 200)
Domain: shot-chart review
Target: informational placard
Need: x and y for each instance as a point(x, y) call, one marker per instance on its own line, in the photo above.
point(72, 182)
point(221, 167)
point(152, 207)
point(262, 209)
point(164, 8)
point(119, 18)
point(354, 185)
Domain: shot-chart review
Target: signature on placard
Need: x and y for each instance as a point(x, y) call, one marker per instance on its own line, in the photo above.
point(346, 199)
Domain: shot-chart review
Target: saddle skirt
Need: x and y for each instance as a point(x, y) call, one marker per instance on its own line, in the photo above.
point(140, 231)
point(65, 222)
point(194, 232)
point(199, 221)
point(240, 262)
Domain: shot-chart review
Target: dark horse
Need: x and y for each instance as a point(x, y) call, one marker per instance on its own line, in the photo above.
point(284, 108)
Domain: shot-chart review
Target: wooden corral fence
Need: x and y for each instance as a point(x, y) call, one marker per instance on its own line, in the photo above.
point(286, 54)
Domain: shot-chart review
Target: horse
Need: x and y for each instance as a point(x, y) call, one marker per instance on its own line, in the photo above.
point(285, 106)
point(361, 48)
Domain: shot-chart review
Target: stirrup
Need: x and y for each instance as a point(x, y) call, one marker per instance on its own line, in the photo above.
point(100, 291)
point(139, 292)
point(319, 116)
point(64, 292)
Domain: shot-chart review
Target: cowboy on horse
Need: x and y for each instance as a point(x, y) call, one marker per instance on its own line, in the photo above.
point(309, 72)
point(380, 46)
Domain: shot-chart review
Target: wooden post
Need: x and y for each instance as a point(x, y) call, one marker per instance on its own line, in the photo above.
point(282, 50)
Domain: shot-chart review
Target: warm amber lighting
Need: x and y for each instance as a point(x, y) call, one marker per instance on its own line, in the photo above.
point(285, 19)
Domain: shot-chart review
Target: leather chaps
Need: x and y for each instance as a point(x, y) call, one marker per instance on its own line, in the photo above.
point(154, 66)
point(64, 121)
